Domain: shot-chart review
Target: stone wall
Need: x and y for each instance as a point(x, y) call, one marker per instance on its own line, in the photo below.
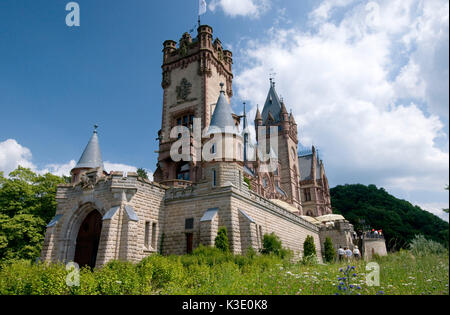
point(373, 246)
point(340, 234)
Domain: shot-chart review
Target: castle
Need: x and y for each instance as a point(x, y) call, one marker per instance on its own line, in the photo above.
point(102, 217)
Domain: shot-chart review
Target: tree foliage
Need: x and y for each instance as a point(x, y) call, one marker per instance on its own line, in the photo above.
point(309, 249)
point(221, 241)
point(271, 244)
point(142, 173)
point(27, 204)
point(330, 253)
point(399, 219)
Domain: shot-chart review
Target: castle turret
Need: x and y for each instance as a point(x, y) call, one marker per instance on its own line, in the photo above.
point(91, 159)
point(226, 146)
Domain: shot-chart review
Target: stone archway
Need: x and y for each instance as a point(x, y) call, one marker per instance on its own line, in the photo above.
point(88, 240)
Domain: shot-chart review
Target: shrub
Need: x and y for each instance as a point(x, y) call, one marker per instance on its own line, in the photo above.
point(160, 271)
point(271, 244)
point(330, 254)
point(221, 240)
point(422, 246)
point(310, 260)
point(309, 249)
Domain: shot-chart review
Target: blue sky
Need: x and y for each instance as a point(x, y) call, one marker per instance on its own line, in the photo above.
point(367, 81)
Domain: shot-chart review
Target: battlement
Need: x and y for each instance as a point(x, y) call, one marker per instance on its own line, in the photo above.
point(189, 46)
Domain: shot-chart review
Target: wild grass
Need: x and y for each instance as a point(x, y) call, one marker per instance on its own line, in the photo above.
point(210, 272)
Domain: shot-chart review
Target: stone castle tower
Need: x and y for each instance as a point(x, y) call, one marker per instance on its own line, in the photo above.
point(192, 73)
point(275, 114)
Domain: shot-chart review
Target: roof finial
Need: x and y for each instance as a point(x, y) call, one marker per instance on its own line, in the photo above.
point(95, 128)
point(221, 87)
point(272, 78)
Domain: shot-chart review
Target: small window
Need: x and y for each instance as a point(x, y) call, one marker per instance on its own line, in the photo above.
point(214, 178)
point(147, 234)
point(154, 235)
point(189, 224)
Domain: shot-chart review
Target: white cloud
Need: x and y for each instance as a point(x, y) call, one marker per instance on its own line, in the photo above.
point(117, 167)
point(59, 169)
point(347, 81)
point(436, 209)
point(12, 154)
point(233, 8)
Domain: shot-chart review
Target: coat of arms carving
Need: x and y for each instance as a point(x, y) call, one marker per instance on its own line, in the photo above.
point(184, 89)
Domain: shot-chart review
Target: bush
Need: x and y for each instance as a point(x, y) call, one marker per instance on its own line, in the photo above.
point(422, 246)
point(309, 249)
point(221, 240)
point(330, 254)
point(159, 270)
point(271, 244)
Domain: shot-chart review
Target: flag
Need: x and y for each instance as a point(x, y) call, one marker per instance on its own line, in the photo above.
point(201, 7)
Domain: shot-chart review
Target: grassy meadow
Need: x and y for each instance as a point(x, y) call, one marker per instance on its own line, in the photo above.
point(211, 272)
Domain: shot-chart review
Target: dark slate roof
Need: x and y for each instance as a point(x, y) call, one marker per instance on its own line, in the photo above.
point(91, 157)
point(272, 105)
point(222, 119)
point(305, 167)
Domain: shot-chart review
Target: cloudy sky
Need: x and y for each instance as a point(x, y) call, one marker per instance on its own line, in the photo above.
point(366, 80)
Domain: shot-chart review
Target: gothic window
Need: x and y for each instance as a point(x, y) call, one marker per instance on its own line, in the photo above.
point(183, 172)
point(186, 121)
point(307, 194)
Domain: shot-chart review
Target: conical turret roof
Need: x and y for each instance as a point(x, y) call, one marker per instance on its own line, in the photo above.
point(92, 156)
point(272, 105)
point(222, 120)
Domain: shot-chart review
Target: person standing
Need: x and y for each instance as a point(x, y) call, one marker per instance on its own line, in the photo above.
point(356, 253)
point(348, 253)
point(341, 253)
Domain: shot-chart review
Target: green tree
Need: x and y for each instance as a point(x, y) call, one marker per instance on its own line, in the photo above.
point(399, 219)
point(27, 204)
point(221, 241)
point(330, 254)
point(142, 173)
point(271, 244)
point(309, 249)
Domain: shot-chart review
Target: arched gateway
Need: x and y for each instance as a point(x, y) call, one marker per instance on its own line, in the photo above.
point(88, 240)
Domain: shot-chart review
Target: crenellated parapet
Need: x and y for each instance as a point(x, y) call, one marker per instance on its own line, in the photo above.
point(205, 51)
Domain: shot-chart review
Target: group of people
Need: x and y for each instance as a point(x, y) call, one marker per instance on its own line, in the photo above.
point(348, 254)
point(374, 234)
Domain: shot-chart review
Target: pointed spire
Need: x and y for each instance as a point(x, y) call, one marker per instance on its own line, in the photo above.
point(222, 119)
point(245, 116)
point(92, 156)
point(272, 105)
point(258, 115)
point(245, 132)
